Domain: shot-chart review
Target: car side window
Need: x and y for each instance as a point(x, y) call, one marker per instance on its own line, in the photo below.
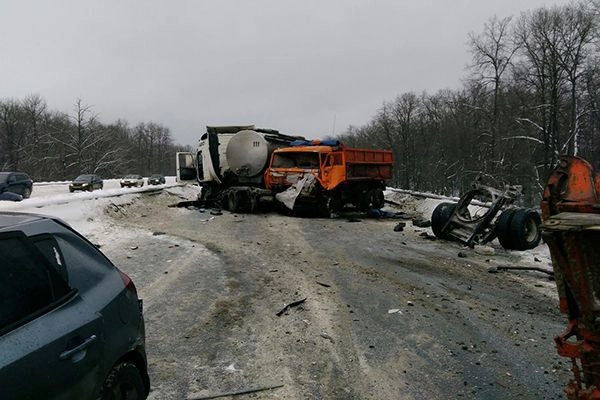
point(50, 250)
point(29, 286)
point(86, 264)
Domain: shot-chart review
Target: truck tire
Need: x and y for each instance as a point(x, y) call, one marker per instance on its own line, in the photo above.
point(502, 228)
point(370, 198)
point(441, 214)
point(376, 198)
point(525, 229)
point(233, 204)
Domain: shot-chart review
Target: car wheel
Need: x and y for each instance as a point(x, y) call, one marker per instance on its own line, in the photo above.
point(91, 188)
point(26, 193)
point(71, 190)
point(123, 382)
point(502, 228)
point(525, 229)
point(441, 214)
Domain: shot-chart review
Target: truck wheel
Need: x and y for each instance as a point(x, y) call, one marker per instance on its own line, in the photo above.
point(364, 200)
point(233, 202)
point(525, 229)
point(26, 193)
point(502, 228)
point(376, 197)
point(441, 214)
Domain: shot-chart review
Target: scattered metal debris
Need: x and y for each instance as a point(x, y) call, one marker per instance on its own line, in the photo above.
point(290, 305)
point(237, 393)
point(513, 268)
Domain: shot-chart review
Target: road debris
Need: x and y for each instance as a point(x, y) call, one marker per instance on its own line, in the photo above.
point(290, 305)
point(399, 226)
point(323, 284)
point(421, 223)
point(237, 393)
point(517, 268)
point(326, 336)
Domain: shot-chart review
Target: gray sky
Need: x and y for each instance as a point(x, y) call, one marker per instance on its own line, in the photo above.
point(303, 67)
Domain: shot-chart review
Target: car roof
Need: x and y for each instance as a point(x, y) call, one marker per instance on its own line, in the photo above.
point(10, 220)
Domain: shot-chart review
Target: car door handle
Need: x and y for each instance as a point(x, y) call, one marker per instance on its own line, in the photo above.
point(86, 343)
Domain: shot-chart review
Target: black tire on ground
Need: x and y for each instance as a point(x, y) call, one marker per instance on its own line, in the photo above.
point(26, 193)
point(91, 188)
point(71, 190)
point(502, 228)
point(123, 382)
point(441, 214)
point(525, 229)
point(362, 203)
point(233, 201)
point(376, 198)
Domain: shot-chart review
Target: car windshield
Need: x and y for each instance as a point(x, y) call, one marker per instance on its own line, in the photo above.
point(156, 176)
point(83, 178)
point(131, 177)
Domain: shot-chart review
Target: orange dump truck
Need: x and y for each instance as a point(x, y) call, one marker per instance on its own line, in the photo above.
point(326, 176)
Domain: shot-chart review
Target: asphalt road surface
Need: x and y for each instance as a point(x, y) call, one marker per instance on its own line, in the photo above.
point(376, 313)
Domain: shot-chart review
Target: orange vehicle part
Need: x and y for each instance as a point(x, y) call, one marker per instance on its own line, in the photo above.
point(331, 165)
point(571, 228)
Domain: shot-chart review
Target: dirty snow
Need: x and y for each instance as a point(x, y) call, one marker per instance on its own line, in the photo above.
point(84, 210)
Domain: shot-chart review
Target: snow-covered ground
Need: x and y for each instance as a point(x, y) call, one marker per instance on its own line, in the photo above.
point(84, 210)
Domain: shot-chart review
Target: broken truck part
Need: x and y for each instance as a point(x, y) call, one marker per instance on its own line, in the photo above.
point(242, 169)
point(571, 228)
point(485, 213)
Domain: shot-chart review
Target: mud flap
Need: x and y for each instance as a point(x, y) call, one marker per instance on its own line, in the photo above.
point(302, 187)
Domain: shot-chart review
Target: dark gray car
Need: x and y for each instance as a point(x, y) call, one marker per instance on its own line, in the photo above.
point(87, 182)
point(16, 182)
point(71, 323)
point(156, 179)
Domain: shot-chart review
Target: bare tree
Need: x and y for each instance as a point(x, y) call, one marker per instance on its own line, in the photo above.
point(492, 52)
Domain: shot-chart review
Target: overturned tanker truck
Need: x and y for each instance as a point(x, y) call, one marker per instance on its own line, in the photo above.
point(244, 169)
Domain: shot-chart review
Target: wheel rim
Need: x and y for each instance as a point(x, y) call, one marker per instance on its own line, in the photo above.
point(531, 230)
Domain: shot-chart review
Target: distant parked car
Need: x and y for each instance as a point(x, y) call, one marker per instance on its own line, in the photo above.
point(87, 182)
point(156, 179)
point(132, 180)
point(16, 182)
point(71, 323)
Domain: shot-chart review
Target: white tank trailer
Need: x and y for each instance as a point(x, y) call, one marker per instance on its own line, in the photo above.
point(235, 156)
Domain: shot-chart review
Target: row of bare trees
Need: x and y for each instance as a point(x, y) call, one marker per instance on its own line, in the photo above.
point(533, 94)
point(50, 145)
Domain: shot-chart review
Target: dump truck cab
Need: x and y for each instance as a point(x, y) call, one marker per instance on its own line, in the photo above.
point(329, 175)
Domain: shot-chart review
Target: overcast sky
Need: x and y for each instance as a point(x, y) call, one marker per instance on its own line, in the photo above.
point(304, 67)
